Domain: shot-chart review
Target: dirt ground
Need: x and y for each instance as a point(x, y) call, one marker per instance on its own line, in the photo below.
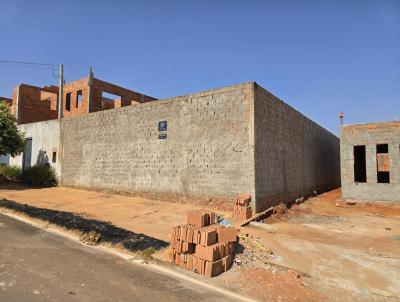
point(322, 250)
point(349, 252)
point(140, 215)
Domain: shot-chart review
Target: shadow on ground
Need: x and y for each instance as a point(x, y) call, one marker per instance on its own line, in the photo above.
point(107, 231)
point(16, 185)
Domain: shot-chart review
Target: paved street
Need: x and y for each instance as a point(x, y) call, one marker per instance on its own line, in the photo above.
point(39, 266)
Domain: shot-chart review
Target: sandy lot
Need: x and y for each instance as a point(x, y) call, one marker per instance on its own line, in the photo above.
point(350, 252)
point(321, 250)
point(148, 216)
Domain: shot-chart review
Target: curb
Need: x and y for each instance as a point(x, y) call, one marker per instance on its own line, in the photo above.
point(154, 267)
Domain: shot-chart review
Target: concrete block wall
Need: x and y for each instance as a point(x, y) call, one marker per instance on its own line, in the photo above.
point(45, 140)
point(294, 156)
point(219, 143)
point(370, 135)
point(208, 151)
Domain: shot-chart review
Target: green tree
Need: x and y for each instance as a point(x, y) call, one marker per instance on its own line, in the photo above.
point(12, 141)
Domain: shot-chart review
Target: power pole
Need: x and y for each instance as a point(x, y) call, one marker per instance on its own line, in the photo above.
point(90, 92)
point(61, 93)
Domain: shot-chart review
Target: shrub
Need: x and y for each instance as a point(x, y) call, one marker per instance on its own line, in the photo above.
point(10, 172)
point(40, 176)
point(147, 254)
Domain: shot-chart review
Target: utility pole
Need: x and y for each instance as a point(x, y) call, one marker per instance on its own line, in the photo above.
point(61, 93)
point(90, 92)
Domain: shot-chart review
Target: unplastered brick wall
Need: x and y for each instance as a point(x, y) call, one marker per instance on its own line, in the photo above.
point(206, 151)
point(73, 107)
point(368, 137)
point(293, 155)
point(14, 105)
point(127, 97)
point(8, 101)
point(34, 104)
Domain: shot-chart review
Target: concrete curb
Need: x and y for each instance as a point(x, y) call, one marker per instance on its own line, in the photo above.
point(154, 267)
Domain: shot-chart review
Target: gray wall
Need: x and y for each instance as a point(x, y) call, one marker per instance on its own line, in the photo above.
point(4, 159)
point(370, 135)
point(238, 139)
point(293, 156)
point(45, 140)
point(208, 151)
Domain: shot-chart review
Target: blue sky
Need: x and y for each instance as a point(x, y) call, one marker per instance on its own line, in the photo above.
point(321, 57)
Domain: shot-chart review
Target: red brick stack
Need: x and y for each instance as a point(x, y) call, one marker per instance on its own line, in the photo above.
point(242, 208)
point(201, 245)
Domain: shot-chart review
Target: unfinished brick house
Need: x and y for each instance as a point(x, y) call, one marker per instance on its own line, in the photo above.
point(370, 161)
point(5, 100)
point(32, 104)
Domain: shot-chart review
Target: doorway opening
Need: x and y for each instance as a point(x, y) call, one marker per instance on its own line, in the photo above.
point(360, 168)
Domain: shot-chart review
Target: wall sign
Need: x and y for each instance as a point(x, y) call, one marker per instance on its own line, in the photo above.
point(162, 129)
point(162, 126)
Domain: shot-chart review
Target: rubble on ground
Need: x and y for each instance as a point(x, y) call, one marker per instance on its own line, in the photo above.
point(278, 284)
point(251, 252)
point(280, 209)
point(284, 211)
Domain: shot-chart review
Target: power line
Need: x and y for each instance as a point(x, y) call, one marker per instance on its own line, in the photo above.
point(53, 66)
point(27, 63)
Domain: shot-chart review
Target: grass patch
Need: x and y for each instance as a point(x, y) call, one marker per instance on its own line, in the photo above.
point(91, 237)
point(11, 172)
point(147, 254)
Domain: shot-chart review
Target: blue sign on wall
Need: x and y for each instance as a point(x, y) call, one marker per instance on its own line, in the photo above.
point(162, 129)
point(162, 126)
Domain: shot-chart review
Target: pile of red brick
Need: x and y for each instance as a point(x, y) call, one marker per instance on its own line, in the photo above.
point(201, 245)
point(242, 208)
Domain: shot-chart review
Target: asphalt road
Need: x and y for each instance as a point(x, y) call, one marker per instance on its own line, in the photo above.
point(39, 266)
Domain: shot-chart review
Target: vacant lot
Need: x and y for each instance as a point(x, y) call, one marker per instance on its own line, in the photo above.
point(351, 252)
point(323, 249)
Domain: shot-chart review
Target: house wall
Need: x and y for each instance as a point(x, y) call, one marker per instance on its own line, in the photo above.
point(208, 151)
point(72, 88)
point(293, 155)
point(45, 140)
point(370, 135)
point(128, 97)
point(97, 103)
point(4, 159)
point(34, 104)
point(8, 101)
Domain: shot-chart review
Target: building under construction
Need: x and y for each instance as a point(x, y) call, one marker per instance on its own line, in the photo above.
point(370, 161)
point(32, 104)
